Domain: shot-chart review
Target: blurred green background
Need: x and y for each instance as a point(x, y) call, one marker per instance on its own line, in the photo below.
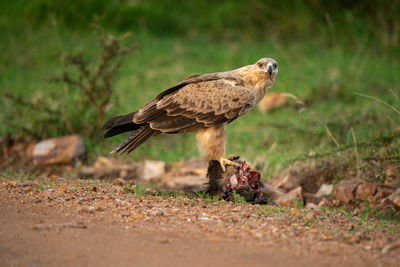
point(327, 52)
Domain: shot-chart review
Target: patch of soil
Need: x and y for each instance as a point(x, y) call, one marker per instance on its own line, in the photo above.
point(65, 222)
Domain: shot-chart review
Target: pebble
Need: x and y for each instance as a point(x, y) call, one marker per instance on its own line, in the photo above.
point(61, 190)
point(391, 247)
point(119, 181)
point(368, 247)
point(164, 241)
point(158, 212)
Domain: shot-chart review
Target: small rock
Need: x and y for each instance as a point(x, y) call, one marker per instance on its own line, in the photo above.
point(99, 208)
point(119, 181)
point(152, 170)
point(324, 190)
point(366, 190)
point(87, 172)
point(62, 190)
point(290, 198)
point(393, 171)
point(393, 199)
point(368, 247)
point(86, 210)
point(58, 150)
point(396, 197)
point(290, 181)
point(158, 212)
point(325, 202)
point(164, 241)
point(311, 206)
point(344, 193)
point(391, 247)
point(383, 192)
point(104, 163)
point(353, 238)
point(356, 212)
point(185, 183)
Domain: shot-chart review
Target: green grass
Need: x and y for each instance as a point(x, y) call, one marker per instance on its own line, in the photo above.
point(11, 175)
point(326, 72)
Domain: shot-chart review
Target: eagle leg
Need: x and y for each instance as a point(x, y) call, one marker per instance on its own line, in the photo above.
point(225, 161)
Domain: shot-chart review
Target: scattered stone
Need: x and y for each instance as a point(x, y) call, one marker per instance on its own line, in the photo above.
point(204, 218)
point(311, 206)
point(383, 192)
point(393, 199)
point(324, 190)
point(396, 197)
point(104, 163)
point(290, 181)
point(62, 190)
point(368, 247)
point(325, 202)
point(164, 241)
point(119, 181)
point(192, 166)
point(87, 172)
point(158, 212)
point(152, 170)
point(350, 227)
point(29, 151)
point(353, 238)
point(185, 183)
point(356, 212)
point(99, 208)
point(344, 193)
point(393, 171)
point(392, 176)
point(366, 190)
point(391, 247)
point(105, 167)
point(86, 210)
point(291, 198)
point(58, 150)
point(309, 197)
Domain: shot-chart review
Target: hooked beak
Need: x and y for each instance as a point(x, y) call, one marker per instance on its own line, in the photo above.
point(270, 69)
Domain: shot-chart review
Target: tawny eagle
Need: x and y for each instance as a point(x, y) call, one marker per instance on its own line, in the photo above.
point(203, 103)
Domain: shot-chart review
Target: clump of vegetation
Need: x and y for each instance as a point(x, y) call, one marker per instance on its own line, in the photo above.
point(86, 89)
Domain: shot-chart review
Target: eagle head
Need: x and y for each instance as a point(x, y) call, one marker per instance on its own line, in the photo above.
point(268, 66)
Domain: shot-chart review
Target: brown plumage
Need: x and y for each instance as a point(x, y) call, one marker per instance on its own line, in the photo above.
point(204, 103)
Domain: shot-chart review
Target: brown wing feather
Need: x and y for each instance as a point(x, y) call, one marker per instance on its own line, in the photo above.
point(200, 104)
point(143, 115)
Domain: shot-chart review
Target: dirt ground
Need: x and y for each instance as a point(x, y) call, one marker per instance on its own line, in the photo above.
point(65, 222)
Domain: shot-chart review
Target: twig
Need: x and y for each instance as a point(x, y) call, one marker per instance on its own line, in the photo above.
point(356, 150)
point(331, 136)
point(380, 101)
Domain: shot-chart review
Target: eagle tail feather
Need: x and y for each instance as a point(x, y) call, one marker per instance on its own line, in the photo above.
point(135, 140)
point(119, 120)
point(120, 124)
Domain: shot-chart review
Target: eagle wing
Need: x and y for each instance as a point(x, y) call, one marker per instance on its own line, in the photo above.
point(202, 101)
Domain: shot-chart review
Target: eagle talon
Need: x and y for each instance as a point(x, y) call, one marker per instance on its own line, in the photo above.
point(224, 161)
